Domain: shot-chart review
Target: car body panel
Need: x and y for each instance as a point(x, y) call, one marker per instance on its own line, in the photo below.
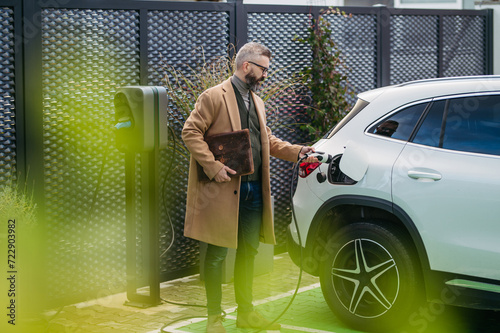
point(459, 222)
point(448, 201)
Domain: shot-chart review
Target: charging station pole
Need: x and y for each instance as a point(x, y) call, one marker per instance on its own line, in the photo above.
point(149, 229)
point(142, 128)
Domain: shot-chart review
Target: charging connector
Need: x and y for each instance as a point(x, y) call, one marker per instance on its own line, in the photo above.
point(321, 156)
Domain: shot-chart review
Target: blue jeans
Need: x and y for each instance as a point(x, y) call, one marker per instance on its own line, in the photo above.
point(249, 222)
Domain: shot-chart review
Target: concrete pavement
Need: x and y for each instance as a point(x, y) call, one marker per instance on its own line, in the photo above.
point(109, 314)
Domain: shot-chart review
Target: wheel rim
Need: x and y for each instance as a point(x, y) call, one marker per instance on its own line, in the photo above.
point(365, 278)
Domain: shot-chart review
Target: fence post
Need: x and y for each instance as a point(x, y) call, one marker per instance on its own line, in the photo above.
point(33, 116)
point(143, 46)
point(440, 46)
point(240, 24)
point(383, 46)
point(489, 43)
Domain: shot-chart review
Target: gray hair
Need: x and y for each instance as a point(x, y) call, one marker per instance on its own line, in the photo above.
point(250, 52)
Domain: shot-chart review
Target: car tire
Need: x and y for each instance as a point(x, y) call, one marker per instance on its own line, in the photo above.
point(369, 277)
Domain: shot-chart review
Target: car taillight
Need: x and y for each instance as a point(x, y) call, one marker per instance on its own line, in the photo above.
point(305, 169)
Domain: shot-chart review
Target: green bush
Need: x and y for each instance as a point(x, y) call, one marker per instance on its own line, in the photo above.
point(22, 244)
point(14, 204)
point(326, 77)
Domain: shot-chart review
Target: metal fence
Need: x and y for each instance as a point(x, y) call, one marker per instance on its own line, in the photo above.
point(61, 62)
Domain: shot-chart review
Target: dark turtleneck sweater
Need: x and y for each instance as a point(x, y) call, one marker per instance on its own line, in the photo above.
point(249, 119)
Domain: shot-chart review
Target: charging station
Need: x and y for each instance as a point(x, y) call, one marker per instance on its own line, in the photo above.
point(141, 131)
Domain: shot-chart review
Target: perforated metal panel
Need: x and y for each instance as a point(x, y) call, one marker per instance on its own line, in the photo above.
point(356, 38)
point(277, 31)
point(86, 55)
point(464, 50)
point(7, 98)
point(414, 48)
point(183, 40)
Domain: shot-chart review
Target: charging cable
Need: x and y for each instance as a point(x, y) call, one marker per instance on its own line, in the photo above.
point(323, 158)
point(294, 174)
point(164, 190)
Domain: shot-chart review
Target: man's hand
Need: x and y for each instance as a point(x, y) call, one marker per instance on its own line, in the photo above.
point(305, 150)
point(222, 176)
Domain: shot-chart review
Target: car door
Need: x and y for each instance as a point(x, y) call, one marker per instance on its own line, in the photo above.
point(447, 180)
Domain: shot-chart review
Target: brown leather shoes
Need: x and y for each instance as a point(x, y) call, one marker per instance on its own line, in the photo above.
point(254, 319)
point(214, 324)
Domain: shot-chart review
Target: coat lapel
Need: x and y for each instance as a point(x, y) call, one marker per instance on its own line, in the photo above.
point(231, 105)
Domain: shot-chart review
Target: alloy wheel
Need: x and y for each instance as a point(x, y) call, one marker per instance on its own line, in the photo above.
point(365, 278)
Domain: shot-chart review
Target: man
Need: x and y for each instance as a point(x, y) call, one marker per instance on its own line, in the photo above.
point(233, 212)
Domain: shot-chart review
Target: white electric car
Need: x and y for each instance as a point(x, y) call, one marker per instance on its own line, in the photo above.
point(408, 208)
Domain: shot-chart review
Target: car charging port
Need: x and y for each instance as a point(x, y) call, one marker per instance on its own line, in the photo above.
point(335, 175)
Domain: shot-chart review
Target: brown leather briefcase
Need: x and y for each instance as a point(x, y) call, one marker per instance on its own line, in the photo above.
point(233, 149)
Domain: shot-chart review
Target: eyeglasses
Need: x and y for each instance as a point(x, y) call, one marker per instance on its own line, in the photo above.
point(264, 69)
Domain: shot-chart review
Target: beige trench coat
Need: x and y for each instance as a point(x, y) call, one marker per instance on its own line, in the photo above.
point(212, 208)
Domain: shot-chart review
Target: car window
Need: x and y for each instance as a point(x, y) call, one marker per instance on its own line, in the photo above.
point(401, 124)
point(473, 125)
point(429, 133)
point(470, 124)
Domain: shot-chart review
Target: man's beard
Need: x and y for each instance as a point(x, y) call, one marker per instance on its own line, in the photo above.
point(253, 82)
